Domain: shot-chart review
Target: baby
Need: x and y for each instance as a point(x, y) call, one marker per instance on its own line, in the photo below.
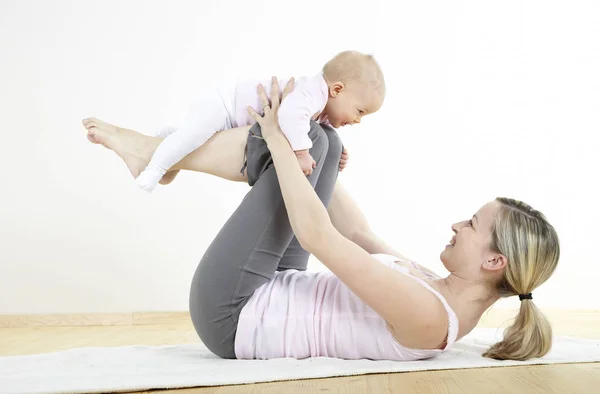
point(350, 86)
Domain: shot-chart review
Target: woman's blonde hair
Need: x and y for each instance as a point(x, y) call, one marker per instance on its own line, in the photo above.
point(531, 245)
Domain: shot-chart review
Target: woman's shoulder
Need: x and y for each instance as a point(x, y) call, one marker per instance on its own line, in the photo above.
point(433, 327)
point(438, 323)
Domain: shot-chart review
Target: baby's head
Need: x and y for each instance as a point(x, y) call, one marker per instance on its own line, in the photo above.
point(356, 87)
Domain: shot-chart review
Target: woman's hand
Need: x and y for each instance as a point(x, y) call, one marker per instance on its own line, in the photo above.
point(269, 122)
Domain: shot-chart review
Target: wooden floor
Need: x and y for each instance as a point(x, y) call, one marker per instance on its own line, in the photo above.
point(567, 378)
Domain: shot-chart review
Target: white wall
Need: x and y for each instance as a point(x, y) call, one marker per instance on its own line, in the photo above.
point(485, 99)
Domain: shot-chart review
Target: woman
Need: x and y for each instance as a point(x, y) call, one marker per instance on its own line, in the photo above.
point(251, 296)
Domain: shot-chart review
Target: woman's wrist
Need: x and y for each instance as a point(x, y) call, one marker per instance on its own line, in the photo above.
point(273, 138)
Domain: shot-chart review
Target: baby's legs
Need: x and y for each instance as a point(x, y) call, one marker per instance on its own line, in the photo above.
point(206, 117)
point(171, 174)
point(222, 155)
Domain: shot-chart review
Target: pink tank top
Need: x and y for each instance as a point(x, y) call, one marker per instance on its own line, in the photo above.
point(303, 314)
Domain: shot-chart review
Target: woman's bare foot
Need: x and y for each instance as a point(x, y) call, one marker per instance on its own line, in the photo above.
point(135, 149)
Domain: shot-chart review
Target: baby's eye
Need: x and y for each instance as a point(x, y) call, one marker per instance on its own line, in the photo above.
point(360, 111)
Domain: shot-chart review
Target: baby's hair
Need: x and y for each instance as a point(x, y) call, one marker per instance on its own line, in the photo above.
point(355, 67)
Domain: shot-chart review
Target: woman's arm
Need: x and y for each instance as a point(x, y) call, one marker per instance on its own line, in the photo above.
point(352, 224)
point(420, 319)
point(348, 219)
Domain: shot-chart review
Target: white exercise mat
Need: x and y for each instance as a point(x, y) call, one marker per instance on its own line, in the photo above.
point(129, 368)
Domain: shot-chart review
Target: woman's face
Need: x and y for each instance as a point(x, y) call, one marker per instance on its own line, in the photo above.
point(469, 247)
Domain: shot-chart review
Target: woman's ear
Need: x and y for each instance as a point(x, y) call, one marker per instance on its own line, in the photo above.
point(495, 262)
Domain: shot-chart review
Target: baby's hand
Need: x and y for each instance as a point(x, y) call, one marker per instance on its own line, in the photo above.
point(344, 159)
point(306, 161)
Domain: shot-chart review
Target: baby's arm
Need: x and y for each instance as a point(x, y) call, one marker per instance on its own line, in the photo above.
point(307, 163)
point(295, 114)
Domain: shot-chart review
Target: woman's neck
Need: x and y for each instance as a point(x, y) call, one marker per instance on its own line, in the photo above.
point(468, 298)
point(469, 290)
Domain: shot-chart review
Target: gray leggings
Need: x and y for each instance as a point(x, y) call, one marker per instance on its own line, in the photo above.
point(256, 241)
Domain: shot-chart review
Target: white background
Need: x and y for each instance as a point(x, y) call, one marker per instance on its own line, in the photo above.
point(484, 99)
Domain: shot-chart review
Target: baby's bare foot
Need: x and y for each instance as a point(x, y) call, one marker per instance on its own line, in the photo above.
point(135, 149)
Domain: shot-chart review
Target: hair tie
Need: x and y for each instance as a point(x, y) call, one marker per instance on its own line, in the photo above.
point(527, 296)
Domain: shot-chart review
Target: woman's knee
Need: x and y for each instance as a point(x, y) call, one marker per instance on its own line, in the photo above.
point(258, 156)
point(335, 142)
point(320, 142)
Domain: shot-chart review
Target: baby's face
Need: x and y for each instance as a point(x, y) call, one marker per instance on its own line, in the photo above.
point(348, 105)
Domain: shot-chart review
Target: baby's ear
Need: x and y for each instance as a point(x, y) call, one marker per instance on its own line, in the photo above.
point(336, 88)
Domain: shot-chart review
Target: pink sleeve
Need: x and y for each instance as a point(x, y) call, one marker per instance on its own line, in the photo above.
point(296, 111)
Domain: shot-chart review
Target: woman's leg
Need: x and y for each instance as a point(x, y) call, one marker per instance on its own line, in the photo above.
point(245, 254)
point(295, 257)
point(222, 155)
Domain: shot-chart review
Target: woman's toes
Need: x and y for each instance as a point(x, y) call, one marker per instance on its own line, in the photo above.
point(91, 136)
point(90, 123)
